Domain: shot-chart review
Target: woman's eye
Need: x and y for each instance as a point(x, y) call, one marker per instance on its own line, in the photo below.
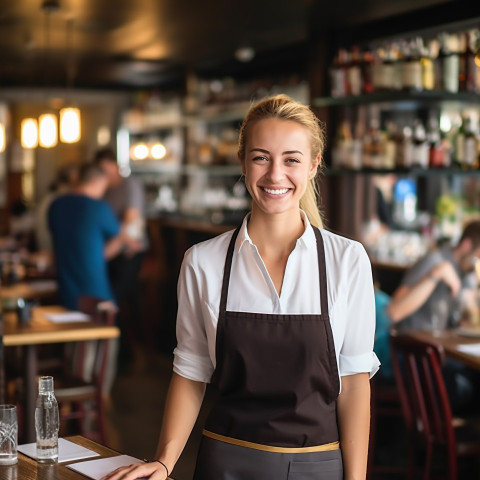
point(260, 158)
point(292, 160)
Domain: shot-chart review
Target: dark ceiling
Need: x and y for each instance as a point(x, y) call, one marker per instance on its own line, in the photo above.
point(144, 43)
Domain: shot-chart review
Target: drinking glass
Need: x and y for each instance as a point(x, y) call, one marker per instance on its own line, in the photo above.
point(439, 316)
point(8, 434)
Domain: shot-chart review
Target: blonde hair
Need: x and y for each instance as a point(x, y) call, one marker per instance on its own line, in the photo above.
point(285, 108)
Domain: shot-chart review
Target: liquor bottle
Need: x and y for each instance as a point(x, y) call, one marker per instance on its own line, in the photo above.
point(46, 422)
point(404, 156)
point(450, 62)
point(367, 65)
point(470, 65)
point(412, 68)
point(373, 146)
point(436, 152)
point(427, 55)
point(420, 151)
point(354, 72)
point(471, 140)
point(460, 142)
point(338, 75)
point(390, 148)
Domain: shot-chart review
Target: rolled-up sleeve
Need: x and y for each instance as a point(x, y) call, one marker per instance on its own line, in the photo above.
point(356, 354)
point(191, 356)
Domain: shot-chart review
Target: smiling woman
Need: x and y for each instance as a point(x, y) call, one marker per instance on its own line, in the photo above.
point(253, 318)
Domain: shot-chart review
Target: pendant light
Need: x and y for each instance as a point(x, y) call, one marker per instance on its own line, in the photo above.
point(70, 126)
point(29, 133)
point(70, 120)
point(3, 138)
point(48, 128)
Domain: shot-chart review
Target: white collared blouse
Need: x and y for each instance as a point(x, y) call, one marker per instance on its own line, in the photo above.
point(350, 297)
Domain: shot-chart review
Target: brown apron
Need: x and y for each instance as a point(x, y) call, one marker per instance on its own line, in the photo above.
point(276, 375)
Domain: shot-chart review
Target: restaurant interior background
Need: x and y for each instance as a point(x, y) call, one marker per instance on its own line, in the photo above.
point(167, 84)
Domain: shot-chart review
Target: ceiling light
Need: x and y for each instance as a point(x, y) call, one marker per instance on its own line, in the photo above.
point(70, 129)
point(3, 138)
point(48, 130)
point(140, 151)
point(158, 151)
point(29, 133)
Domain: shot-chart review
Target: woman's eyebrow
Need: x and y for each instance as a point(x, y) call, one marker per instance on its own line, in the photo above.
point(287, 152)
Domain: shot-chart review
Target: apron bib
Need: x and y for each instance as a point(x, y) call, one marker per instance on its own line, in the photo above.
point(277, 379)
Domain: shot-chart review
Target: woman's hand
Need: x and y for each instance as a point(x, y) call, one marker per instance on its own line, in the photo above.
point(150, 471)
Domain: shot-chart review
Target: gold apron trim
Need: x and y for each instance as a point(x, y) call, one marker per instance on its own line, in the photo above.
point(268, 448)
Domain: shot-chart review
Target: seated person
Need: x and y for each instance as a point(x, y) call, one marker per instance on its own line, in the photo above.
point(441, 275)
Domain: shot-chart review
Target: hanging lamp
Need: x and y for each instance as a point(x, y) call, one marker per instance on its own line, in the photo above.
point(29, 133)
point(3, 137)
point(70, 119)
point(48, 130)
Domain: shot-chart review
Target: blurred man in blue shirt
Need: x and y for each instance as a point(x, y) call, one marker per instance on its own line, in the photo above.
point(85, 235)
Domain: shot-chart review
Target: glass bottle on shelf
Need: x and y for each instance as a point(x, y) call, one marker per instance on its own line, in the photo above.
point(338, 75)
point(367, 64)
point(436, 151)
point(404, 156)
point(373, 146)
point(428, 54)
point(471, 68)
point(411, 67)
point(420, 152)
point(450, 62)
point(390, 149)
point(471, 141)
point(354, 72)
point(459, 145)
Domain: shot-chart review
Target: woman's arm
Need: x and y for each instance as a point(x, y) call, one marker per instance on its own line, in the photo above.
point(353, 411)
point(183, 403)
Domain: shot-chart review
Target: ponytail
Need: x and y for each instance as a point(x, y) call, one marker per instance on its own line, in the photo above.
point(308, 203)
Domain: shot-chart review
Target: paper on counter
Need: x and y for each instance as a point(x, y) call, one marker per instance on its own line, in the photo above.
point(96, 469)
point(67, 317)
point(67, 451)
point(471, 349)
point(43, 285)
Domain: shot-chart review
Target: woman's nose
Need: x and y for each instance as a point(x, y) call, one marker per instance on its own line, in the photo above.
point(275, 170)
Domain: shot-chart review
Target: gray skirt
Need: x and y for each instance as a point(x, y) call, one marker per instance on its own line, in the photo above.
point(221, 461)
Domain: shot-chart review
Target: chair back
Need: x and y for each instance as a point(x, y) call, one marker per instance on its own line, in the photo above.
point(89, 360)
point(418, 372)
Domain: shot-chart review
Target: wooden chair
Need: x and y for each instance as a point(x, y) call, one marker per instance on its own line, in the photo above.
point(385, 408)
point(80, 389)
point(427, 412)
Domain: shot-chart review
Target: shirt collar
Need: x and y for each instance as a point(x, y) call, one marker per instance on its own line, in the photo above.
point(306, 240)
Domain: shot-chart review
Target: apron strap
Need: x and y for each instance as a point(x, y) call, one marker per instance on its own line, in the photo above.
point(322, 272)
point(332, 358)
point(226, 276)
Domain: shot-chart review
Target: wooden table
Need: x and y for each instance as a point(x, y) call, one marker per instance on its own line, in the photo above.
point(450, 340)
point(29, 469)
point(42, 331)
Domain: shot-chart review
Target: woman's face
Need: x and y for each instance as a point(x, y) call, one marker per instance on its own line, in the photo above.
point(277, 164)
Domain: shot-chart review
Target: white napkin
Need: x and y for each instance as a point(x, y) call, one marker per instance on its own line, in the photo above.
point(96, 469)
point(472, 349)
point(67, 451)
point(67, 317)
